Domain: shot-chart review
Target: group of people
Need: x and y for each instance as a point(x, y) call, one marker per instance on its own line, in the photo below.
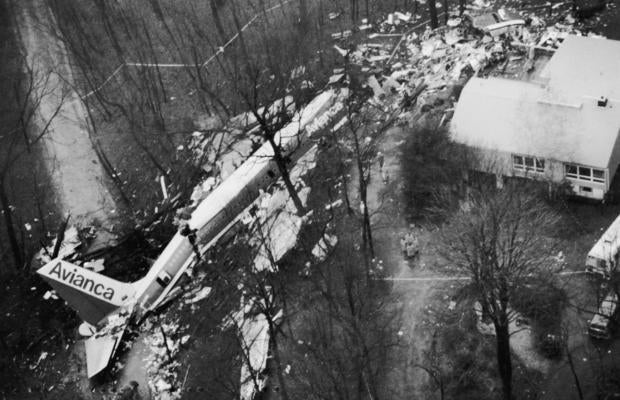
point(409, 245)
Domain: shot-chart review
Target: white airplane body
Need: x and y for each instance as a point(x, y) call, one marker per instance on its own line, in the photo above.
point(110, 305)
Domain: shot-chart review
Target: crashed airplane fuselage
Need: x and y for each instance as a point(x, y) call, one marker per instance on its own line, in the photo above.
point(110, 305)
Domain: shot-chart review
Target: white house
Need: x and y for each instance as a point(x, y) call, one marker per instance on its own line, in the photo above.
point(564, 127)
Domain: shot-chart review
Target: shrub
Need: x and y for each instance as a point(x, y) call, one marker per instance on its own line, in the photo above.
point(432, 167)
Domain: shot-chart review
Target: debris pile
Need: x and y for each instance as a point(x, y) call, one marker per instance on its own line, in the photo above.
point(70, 243)
point(430, 67)
point(162, 368)
point(275, 220)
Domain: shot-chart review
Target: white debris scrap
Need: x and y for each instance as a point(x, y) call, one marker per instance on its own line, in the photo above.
point(375, 86)
point(87, 330)
point(335, 79)
point(50, 294)
point(253, 331)
point(276, 222)
point(324, 245)
point(454, 22)
point(95, 265)
point(341, 35)
point(279, 234)
point(42, 357)
point(335, 204)
point(340, 50)
point(164, 189)
point(403, 17)
point(199, 295)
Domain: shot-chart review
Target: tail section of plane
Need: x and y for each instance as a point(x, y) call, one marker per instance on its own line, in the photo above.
point(101, 346)
point(93, 296)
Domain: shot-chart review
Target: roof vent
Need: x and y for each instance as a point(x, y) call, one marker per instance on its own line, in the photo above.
point(602, 102)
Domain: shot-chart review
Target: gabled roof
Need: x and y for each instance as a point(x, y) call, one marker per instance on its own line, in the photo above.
point(585, 66)
point(521, 117)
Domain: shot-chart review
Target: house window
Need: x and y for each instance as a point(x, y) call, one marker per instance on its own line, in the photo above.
point(528, 163)
point(584, 173)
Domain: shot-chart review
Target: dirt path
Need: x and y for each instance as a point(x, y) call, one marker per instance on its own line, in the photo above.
point(80, 181)
point(417, 284)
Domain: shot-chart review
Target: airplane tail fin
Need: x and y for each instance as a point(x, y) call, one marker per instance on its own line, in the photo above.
point(93, 296)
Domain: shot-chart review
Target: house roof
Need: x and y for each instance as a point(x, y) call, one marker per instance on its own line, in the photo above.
point(585, 66)
point(521, 117)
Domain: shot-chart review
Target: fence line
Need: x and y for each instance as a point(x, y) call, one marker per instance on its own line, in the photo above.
point(172, 65)
point(95, 90)
point(219, 51)
point(443, 278)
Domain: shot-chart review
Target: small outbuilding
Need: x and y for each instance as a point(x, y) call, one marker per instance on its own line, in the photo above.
point(563, 127)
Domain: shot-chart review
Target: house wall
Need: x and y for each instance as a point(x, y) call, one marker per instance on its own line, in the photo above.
point(614, 160)
point(500, 163)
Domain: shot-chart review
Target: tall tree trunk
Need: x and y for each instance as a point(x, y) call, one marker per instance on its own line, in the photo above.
point(569, 356)
point(432, 10)
point(461, 7)
point(303, 14)
point(343, 169)
point(321, 16)
point(504, 361)
point(284, 173)
point(445, 12)
point(278, 361)
point(367, 244)
point(217, 19)
point(10, 228)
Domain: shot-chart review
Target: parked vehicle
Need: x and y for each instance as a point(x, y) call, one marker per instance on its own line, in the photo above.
point(603, 257)
point(599, 326)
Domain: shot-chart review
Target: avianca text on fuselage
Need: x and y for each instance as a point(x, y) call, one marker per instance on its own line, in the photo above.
point(79, 281)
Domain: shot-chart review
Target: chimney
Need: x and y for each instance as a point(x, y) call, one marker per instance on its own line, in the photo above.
point(602, 101)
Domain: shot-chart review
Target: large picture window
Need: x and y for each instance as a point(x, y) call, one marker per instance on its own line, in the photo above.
point(528, 163)
point(584, 173)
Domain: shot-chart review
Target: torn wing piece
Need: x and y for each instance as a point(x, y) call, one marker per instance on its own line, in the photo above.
point(100, 347)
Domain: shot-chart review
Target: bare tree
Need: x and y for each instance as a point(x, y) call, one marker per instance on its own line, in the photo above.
point(19, 138)
point(350, 337)
point(365, 124)
point(267, 77)
point(571, 364)
point(498, 238)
